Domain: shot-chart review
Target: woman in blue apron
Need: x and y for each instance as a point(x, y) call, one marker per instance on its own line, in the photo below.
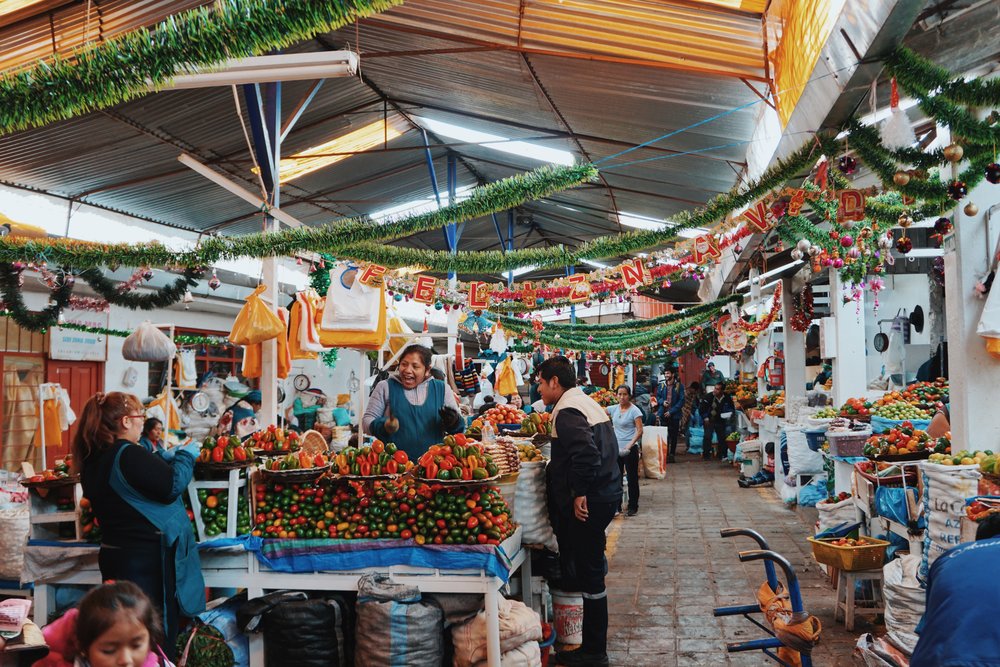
point(136, 497)
point(410, 408)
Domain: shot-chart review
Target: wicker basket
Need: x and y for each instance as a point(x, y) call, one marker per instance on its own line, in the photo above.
point(866, 557)
point(313, 442)
point(847, 443)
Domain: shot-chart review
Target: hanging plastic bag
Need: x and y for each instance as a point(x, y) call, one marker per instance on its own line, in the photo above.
point(284, 353)
point(147, 343)
point(506, 382)
point(356, 338)
point(498, 341)
point(186, 373)
point(256, 321)
point(252, 367)
point(350, 304)
point(396, 325)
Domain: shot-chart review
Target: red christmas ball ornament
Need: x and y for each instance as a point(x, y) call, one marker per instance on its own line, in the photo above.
point(942, 225)
point(904, 244)
point(846, 241)
point(847, 165)
point(957, 190)
point(993, 173)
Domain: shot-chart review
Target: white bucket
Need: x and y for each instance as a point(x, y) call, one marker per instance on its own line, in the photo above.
point(567, 610)
point(508, 489)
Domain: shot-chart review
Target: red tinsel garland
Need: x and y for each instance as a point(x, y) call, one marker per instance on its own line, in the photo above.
point(802, 317)
point(757, 327)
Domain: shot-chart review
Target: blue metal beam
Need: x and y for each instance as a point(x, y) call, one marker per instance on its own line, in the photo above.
point(300, 108)
point(264, 110)
point(496, 224)
point(430, 168)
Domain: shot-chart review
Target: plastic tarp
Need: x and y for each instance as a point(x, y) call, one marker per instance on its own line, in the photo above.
point(890, 502)
point(882, 425)
point(696, 440)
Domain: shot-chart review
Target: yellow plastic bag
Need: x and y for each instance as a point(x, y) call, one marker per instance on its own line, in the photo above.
point(396, 325)
point(506, 382)
point(252, 360)
point(256, 321)
point(295, 335)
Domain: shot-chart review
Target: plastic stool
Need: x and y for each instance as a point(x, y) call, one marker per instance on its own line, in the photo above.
point(846, 585)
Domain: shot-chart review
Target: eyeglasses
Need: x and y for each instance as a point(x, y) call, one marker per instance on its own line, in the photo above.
point(134, 417)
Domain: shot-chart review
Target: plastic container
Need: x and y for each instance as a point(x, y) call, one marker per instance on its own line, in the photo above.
point(815, 438)
point(847, 443)
point(567, 612)
point(867, 557)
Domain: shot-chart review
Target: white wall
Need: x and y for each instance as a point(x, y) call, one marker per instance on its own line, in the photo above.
point(901, 291)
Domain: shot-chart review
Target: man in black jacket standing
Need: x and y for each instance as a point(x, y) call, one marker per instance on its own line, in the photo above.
point(584, 490)
point(716, 409)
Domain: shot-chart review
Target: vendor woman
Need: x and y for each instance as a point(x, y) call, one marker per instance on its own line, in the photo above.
point(411, 409)
point(136, 496)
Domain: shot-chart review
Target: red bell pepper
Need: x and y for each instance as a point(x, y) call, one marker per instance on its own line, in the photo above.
point(391, 468)
point(366, 468)
point(219, 454)
point(400, 457)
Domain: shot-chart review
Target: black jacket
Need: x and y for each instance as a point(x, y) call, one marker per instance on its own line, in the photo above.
point(725, 405)
point(584, 453)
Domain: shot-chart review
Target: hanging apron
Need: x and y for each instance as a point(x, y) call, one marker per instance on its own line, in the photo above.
point(419, 425)
point(175, 527)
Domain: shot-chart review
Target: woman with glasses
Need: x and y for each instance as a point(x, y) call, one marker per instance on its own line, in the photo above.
point(136, 497)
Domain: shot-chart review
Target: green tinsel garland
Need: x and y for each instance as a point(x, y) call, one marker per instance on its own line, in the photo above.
point(631, 325)
point(13, 301)
point(498, 196)
point(319, 280)
point(166, 296)
point(181, 339)
point(65, 86)
point(914, 72)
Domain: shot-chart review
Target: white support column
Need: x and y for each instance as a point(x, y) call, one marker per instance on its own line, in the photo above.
point(795, 345)
point(269, 353)
point(974, 375)
point(849, 369)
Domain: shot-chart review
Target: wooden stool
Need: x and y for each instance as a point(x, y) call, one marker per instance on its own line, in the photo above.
point(846, 583)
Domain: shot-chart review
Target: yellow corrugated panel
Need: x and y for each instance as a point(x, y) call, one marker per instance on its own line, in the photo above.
point(696, 36)
point(806, 26)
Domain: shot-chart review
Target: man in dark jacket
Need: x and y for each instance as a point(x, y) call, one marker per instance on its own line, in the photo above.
point(716, 409)
point(670, 399)
point(584, 490)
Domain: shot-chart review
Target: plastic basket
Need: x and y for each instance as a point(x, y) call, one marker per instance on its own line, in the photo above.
point(866, 470)
point(866, 557)
point(847, 443)
point(815, 439)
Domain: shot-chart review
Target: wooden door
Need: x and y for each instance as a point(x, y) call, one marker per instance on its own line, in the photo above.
point(81, 380)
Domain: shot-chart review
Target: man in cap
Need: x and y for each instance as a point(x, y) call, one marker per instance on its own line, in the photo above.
point(711, 376)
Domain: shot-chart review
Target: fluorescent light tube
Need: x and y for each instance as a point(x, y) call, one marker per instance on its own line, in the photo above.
point(267, 69)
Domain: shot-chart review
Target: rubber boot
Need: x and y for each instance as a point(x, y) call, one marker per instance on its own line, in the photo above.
point(595, 626)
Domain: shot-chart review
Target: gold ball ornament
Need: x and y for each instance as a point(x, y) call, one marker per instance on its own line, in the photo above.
point(953, 152)
point(865, 233)
point(904, 220)
point(901, 178)
point(971, 209)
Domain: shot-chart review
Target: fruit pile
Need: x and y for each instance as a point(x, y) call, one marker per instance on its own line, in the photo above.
point(773, 398)
point(537, 422)
point(733, 437)
point(987, 461)
point(300, 460)
point(503, 414)
point(503, 451)
point(378, 459)
point(274, 439)
point(397, 509)
point(826, 413)
point(467, 461)
point(900, 411)
point(851, 542)
point(90, 527)
point(227, 449)
point(905, 440)
point(744, 393)
point(604, 397)
point(529, 453)
point(856, 407)
point(978, 509)
point(215, 513)
point(926, 392)
point(61, 470)
point(839, 498)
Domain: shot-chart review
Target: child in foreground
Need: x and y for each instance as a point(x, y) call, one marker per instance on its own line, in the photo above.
point(115, 626)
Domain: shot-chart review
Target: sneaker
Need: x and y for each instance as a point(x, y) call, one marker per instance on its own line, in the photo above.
point(670, 459)
point(579, 658)
point(632, 512)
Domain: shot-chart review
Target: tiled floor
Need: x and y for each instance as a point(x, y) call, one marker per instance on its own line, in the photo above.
point(668, 568)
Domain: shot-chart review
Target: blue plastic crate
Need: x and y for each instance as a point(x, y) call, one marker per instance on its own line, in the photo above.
point(815, 439)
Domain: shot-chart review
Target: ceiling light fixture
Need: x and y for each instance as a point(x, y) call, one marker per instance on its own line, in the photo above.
point(772, 272)
point(267, 69)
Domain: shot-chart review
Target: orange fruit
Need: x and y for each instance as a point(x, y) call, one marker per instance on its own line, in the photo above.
point(212, 502)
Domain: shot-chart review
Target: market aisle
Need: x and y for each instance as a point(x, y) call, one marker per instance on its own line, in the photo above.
point(668, 568)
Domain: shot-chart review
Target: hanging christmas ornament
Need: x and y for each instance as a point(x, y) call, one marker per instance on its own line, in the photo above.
point(814, 251)
point(847, 165)
point(438, 305)
point(885, 242)
point(188, 299)
point(971, 209)
point(214, 283)
point(993, 173)
point(901, 178)
point(846, 241)
point(796, 254)
point(904, 245)
point(957, 190)
point(904, 220)
point(778, 209)
point(738, 249)
point(865, 233)
point(837, 263)
point(803, 245)
point(397, 297)
point(953, 152)
point(147, 274)
point(854, 253)
point(942, 225)
point(897, 131)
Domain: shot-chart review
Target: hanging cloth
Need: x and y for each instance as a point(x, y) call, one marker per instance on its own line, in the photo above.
point(354, 306)
point(186, 373)
point(165, 409)
point(506, 383)
point(303, 342)
point(308, 332)
point(357, 338)
point(50, 428)
point(284, 351)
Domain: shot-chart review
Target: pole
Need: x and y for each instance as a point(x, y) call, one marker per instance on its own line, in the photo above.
point(795, 345)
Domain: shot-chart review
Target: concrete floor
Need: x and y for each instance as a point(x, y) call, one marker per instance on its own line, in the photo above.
point(668, 568)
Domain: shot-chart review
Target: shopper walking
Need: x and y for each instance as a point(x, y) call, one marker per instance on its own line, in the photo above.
point(716, 409)
point(671, 402)
point(584, 489)
point(136, 496)
point(626, 417)
point(692, 402)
